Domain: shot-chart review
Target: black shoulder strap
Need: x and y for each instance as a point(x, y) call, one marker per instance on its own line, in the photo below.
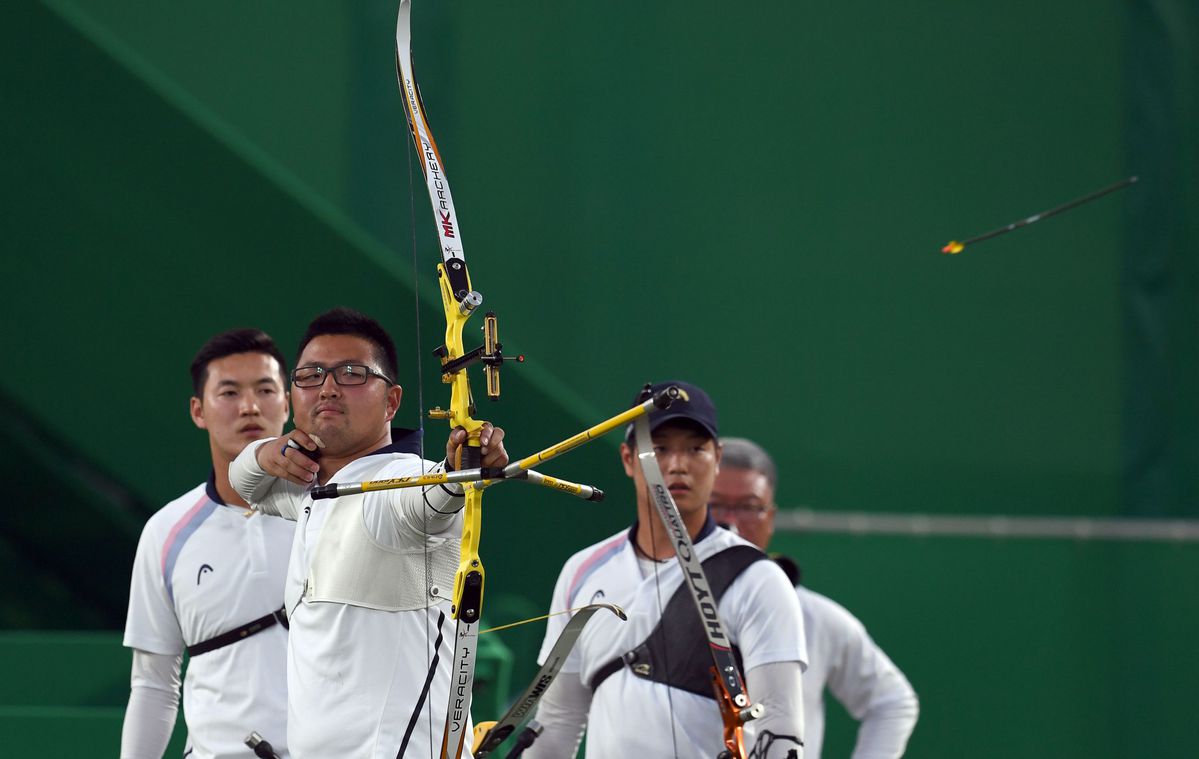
point(790, 568)
point(238, 634)
point(675, 653)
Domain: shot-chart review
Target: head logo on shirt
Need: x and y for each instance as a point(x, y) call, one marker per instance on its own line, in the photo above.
point(203, 568)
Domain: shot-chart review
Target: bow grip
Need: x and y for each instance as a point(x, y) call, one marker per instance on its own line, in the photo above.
point(470, 456)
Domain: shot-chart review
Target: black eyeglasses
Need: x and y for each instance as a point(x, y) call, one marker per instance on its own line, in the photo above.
point(344, 374)
point(751, 511)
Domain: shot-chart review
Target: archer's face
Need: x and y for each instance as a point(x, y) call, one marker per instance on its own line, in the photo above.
point(688, 460)
point(744, 498)
point(347, 418)
point(243, 401)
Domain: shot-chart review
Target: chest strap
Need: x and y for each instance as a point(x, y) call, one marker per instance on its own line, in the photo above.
point(241, 633)
point(676, 652)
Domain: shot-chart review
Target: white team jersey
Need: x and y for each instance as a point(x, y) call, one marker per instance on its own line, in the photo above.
point(203, 568)
point(363, 683)
point(631, 716)
point(859, 675)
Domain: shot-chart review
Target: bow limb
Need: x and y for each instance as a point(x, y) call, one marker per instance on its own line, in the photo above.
point(491, 735)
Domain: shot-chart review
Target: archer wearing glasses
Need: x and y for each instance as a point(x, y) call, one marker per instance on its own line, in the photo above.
point(343, 374)
point(366, 589)
point(841, 655)
point(752, 516)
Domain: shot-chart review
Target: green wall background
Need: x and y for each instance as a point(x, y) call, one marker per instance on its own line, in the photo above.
point(750, 198)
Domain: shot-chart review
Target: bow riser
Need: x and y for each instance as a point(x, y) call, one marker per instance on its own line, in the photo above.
point(457, 312)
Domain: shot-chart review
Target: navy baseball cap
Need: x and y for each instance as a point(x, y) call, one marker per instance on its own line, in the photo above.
point(696, 407)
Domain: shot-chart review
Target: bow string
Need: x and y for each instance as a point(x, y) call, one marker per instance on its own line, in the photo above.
point(459, 302)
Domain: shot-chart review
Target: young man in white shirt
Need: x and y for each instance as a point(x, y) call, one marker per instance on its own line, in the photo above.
point(643, 704)
point(842, 656)
point(208, 577)
point(370, 576)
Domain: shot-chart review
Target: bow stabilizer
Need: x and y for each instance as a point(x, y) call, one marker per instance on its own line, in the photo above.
point(517, 470)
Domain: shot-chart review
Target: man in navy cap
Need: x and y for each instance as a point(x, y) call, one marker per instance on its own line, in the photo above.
point(643, 687)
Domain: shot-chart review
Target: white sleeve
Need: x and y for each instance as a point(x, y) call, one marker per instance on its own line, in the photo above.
point(779, 688)
point(875, 692)
point(563, 715)
point(763, 617)
point(265, 492)
point(432, 510)
point(151, 623)
point(153, 705)
point(397, 517)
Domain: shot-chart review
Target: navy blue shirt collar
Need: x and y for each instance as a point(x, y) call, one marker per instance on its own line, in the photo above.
point(402, 441)
point(210, 488)
point(708, 528)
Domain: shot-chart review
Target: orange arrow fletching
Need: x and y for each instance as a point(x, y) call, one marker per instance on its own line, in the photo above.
point(953, 248)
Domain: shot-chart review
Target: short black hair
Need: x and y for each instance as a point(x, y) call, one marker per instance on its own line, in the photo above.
point(232, 342)
point(347, 321)
point(739, 453)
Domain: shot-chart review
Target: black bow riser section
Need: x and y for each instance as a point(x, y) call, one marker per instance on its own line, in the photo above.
point(455, 269)
point(472, 596)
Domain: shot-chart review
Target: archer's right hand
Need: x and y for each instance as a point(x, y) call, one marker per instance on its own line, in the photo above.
point(291, 457)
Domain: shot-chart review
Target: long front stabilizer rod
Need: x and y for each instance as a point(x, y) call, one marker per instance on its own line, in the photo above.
point(522, 469)
point(482, 478)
